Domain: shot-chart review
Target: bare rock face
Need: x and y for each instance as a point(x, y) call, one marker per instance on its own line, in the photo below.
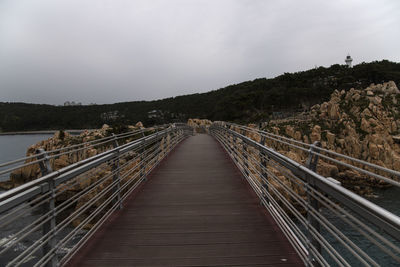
point(315, 134)
point(253, 135)
point(330, 138)
point(385, 88)
point(139, 125)
point(327, 170)
point(290, 131)
point(363, 124)
point(61, 162)
point(333, 112)
point(199, 125)
point(103, 131)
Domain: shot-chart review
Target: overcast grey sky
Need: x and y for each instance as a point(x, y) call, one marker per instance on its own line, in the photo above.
point(113, 51)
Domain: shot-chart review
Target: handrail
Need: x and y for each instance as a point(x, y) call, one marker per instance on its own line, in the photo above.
point(61, 204)
point(294, 195)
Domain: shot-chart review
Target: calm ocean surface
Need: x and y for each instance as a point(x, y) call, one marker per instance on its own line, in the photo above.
point(15, 146)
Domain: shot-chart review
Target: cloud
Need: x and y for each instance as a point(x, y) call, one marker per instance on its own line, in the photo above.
point(111, 51)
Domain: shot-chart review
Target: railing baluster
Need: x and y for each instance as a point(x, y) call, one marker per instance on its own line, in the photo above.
point(245, 158)
point(116, 172)
point(264, 165)
point(234, 149)
point(142, 159)
point(311, 163)
point(50, 225)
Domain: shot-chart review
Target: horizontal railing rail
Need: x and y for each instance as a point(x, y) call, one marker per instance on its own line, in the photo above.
point(45, 221)
point(326, 223)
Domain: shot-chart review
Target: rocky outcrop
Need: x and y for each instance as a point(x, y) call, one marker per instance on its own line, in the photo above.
point(363, 124)
point(58, 141)
point(199, 125)
point(68, 191)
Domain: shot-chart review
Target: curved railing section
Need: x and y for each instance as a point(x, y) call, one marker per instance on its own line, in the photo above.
point(45, 221)
point(326, 223)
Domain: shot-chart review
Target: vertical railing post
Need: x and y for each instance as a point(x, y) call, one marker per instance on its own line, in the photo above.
point(311, 163)
point(170, 133)
point(172, 138)
point(116, 174)
point(245, 155)
point(163, 146)
point(142, 159)
point(158, 142)
point(264, 165)
point(234, 149)
point(245, 158)
point(228, 138)
point(50, 224)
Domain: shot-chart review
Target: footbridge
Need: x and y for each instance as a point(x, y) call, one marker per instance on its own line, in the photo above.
point(166, 196)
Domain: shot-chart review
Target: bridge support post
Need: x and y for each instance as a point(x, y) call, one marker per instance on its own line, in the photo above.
point(49, 227)
point(116, 175)
point(311, 163)
point(264, 164)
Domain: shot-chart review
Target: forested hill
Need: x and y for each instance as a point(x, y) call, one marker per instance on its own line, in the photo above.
point(248, 101)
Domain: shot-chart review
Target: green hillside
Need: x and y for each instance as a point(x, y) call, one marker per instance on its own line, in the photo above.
point(250, 101)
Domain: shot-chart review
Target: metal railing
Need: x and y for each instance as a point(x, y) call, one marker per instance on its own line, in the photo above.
point(45, 221)
point(77, 151)
point(343, 161)
point(326, 223)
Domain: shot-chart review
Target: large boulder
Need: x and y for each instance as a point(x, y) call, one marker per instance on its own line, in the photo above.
point(139, 125)
point(315, 134)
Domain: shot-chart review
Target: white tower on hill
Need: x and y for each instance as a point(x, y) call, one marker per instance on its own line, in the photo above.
point(348, 60)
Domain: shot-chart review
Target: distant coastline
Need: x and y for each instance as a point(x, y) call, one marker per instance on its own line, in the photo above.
point(73, 132)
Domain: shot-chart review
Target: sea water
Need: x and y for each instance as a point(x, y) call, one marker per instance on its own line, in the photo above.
point(14, 147)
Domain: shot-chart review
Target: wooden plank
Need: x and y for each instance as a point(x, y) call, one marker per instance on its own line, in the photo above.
point(195, 210)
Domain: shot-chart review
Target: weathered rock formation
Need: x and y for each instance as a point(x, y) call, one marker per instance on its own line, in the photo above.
point(199, 125)
point(58, 141)
point(363, 124)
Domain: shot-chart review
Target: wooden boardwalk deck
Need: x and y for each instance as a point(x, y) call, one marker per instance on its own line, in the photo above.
point(194, 210)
